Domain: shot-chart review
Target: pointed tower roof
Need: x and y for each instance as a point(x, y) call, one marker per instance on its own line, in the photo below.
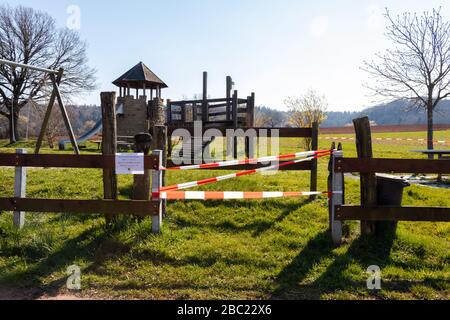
point(139, 75)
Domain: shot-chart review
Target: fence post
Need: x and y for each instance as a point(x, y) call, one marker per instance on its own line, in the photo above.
point(141, 183)
point(20, 184)
point(368, 180)
point(157, 182)
point(235, 107)
point(159, 143)
point(109, 146)
point(314, 146)
point(205, 107)
point(169, 111)
point(336, 196)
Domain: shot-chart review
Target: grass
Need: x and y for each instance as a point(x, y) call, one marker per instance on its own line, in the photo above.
point(223, 250)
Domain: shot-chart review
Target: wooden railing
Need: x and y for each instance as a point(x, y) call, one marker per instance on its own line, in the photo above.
point(234, 112)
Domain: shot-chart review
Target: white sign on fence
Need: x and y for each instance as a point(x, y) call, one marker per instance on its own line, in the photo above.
point(130, 163)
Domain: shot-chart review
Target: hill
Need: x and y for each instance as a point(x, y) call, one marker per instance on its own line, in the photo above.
point(393, 113)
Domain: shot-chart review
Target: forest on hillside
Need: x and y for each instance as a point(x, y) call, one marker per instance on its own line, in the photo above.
point(393, 113)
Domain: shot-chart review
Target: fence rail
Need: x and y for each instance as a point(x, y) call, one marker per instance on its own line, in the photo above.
point(140, 208)
point(375, 165)
point(66, 161)
point(281, 132)
point(384, 213)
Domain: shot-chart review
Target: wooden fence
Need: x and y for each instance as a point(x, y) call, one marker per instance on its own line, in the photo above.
point(383, 213)
point(370, 212)
point(19, 203)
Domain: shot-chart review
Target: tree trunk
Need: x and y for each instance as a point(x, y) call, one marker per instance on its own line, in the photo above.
point(16, 124)
point(13, 122)
point(12, 137)
point(430, 135)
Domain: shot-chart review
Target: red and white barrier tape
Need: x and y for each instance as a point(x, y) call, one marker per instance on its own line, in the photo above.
point(249, 161)
point(387, 139)
point(221, 195)
point(239, 174)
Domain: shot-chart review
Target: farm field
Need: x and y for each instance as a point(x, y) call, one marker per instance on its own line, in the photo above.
point(277, 249)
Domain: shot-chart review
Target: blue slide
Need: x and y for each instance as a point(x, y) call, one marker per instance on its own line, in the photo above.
point(96, 129)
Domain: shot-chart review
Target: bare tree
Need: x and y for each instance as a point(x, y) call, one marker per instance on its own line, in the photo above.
point(417, 68)
point(31, 37)
point(307, 109)
point(262, 118)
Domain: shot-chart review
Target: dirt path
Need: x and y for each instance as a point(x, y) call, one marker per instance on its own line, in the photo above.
point(34, 294)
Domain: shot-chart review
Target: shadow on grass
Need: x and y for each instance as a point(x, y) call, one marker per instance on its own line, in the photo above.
point(256, 227)
point(365, 251)
point(96, 245)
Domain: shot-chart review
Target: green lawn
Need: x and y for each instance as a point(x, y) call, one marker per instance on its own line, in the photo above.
point(227, 249)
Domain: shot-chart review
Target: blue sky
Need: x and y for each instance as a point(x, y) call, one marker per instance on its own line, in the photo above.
point(277, 48)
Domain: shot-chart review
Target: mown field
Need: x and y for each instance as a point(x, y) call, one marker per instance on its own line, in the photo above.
point(276, 249)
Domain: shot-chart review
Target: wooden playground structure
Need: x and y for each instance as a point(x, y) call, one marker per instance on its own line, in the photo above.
point(228, 112)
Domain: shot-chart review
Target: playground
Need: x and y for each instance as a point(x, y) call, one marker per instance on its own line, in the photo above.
point(297, 244)
point(234, 249)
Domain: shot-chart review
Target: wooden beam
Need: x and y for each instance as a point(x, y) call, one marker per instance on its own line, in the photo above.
point(229, 88)
point(64, 114)
point(295, 167)
point(368, 180)
point(109, 146)
point(393, 165)
point(434, 214)
point(315, 146)
point(48, 113)
point(205, 114)
point(65, 161)
point(110, 207)
point(141, 183)
point(283, 132)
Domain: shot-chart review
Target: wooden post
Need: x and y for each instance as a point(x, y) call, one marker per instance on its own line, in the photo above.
point(194, 112)
point(315, 146)
point(205, 97)
point(368, 180)
point(169, 111)
point(141, 183)
point(228, 95)
point(252, 107)
point(336, 197)
point(159, 143)
point(158, 116)
point(251, 111)
point(109, 146)
point(235, 122)
point(64, 114)
point(20, 184)
point(157, 178)
point(48, 113)
point(183, 113)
